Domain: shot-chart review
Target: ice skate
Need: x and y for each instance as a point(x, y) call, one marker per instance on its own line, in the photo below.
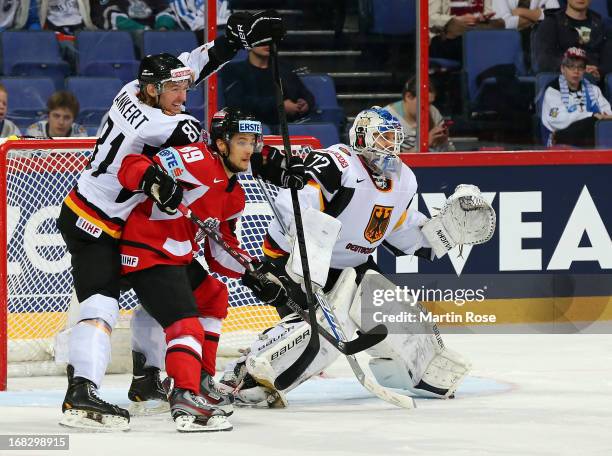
point(146, 392)
point(83, 408)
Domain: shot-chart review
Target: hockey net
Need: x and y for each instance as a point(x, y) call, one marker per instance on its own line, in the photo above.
point(36, 290)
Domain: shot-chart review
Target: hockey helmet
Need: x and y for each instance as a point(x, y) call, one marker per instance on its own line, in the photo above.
point(230, 121)
point(377, 136)
point(160, 68)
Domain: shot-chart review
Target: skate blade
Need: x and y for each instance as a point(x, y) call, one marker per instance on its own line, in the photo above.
point(83, 419)
point(186, 423)
point(148, 408)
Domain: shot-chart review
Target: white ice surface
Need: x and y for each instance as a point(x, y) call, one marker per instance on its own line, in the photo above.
point(527, 395)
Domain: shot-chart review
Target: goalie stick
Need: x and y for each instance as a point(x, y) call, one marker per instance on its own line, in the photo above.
point(370, 384)
point(312, 349)
point(362, 342)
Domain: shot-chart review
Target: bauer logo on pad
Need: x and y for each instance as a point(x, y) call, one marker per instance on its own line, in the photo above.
point(249, 126)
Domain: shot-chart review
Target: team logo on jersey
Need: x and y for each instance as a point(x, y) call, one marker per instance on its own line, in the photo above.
point(378, 224)
point(554, 112)
point(129, 261)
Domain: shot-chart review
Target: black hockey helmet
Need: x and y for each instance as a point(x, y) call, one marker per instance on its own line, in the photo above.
point(230, 121)
point(160, 68)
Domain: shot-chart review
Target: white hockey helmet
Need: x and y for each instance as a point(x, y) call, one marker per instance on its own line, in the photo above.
point(377, 136)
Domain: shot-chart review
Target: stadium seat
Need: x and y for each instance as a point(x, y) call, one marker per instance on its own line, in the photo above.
point(326, 107)
point(326, 133)
point(34, 54)
point(106, 54)
point(541, 81)
point(95, 96)
point(603, 134)
point(394, 17)
point(171, 42)
point(608, 88)
point(195, 102)
point(485, 49)
point(601, 7)
point(28, 96)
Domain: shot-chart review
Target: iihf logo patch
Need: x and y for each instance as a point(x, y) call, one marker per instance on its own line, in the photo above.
point(89, 227)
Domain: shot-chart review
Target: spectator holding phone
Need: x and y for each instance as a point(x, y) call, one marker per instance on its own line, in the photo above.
point(406, 112)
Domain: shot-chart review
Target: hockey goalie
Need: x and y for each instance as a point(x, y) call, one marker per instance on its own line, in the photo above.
point(357, 199)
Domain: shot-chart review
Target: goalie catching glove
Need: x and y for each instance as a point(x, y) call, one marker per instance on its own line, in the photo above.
point(245, 30)
point(466, 218)
point(159, 186)
point(263, 281)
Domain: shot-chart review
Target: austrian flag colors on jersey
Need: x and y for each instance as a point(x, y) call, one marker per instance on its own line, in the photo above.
point(151, 237)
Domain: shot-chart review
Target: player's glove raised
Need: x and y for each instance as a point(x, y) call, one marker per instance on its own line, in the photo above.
point(159, 186)
point(245, 30)
point(265, 284)
point(293, 176)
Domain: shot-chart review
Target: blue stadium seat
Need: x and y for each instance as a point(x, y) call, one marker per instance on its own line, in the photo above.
point(95, 96)
point(542, 80)
point(601, 7)
point(326, 107)
point(106, 54)
point(171, 42)
point(195, 102)
point(27, 97)
point(603, 134)
point(33, 54)
point(394, 17)
point(484, 49)
point(327, 133)
point(608, 88)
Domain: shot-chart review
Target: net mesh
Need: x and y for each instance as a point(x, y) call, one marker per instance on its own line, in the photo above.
point(39, 281)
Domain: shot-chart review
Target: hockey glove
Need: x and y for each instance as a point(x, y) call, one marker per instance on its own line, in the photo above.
point(245, 30)
point(293, 176)
point(264, 284)
point(160, 187)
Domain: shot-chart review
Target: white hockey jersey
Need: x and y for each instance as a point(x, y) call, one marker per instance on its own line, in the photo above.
point(132, 127)
point(373, 210)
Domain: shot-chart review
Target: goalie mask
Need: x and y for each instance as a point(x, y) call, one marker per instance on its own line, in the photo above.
point(377, 136)
point(161, 68)
point(228, 122)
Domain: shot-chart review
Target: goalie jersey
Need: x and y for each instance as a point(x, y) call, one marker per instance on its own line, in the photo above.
point(373, 210)
point(133, 128)
point(151, 237)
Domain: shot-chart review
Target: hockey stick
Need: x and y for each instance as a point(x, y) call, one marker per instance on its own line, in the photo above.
point(362, 342)
point(366, 380)
point(312, 349)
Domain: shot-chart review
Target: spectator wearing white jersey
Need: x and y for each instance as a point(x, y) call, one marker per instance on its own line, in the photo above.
point(7, 128)
point(62, 110)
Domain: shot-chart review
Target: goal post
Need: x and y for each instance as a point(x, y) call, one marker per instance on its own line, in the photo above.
point(36, 283)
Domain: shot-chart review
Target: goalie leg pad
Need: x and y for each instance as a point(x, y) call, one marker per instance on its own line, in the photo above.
point(413, 358)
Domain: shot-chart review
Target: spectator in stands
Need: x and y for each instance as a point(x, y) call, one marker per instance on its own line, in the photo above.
point(577, 26)
point(572, 104)
point(189, 14)
point(446, 29)
point(522, 14)
point(248, 85)
point(131, 14)
point(406, 111)
point(64, 16)
point(7, 128)
point(63, 108)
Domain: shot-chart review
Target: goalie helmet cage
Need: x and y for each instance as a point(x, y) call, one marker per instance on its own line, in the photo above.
point(36, 284)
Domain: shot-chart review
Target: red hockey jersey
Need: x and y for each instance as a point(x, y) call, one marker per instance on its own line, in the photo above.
point(151, 237)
